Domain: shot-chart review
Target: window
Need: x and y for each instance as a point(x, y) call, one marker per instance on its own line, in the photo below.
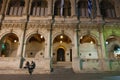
point(82, 8)
point(39, 8)
point(15, 7)
point(107, 11)
point(62, 8)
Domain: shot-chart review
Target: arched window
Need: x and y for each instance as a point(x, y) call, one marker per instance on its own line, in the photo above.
point(107, 9)
point(82, 8)
point(62, 8)
point(39, 8)
point(1, 1)
point(16, 7)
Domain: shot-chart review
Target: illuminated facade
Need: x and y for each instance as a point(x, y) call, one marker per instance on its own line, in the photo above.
point(52, 31)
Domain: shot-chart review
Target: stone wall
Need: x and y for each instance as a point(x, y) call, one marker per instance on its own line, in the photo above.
point(41, 63)
point(9, 63)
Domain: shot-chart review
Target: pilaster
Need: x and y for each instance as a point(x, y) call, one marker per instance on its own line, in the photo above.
point(50, 7)
point(26, 7)
point(72, 7)
point(117, 9)
point(7, 4)
point(102, 55)
point(99, 17)
point(75, 44)
point(19, 51)
point(47, 46)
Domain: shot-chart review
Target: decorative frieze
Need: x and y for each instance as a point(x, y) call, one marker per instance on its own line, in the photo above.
point(37, 25)
point(13, 26)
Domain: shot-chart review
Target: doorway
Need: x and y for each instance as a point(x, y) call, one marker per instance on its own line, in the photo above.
point(60, 54)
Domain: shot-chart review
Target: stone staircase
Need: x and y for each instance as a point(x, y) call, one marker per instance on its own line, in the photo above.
point(62, 68)
point(22, 71)
point(59, 68)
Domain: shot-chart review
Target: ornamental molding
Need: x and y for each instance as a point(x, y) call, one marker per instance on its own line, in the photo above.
point(13, 26)
point(37, 26)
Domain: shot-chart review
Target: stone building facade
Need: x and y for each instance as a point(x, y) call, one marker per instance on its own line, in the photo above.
point(52, 31)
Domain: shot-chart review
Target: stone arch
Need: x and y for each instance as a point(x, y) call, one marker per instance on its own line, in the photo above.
point(65, 33)
point(8, 32)
point(35, 32)
point(91, 35)
point(35, 45)
point(64, 41)
point(88, 47)
point(113, 46)
point(9, 45)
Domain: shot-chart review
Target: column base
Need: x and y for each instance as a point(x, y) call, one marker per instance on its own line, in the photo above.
point(76, 65)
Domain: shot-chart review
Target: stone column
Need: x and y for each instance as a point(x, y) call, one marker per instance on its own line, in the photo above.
point(98, 8)
point(3, 7)
point(26, 7)
point(73, 7)
point(50, 7)
point(99, 17)
point(30, 6)
point(7, 4)
point(117, 9)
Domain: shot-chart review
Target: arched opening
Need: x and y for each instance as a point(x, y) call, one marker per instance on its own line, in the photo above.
point(88, 47)
point(39, 8)
point(113, 47)
point(62, 50)
point(15, 7)
point(35, 46)
point(9, 45)
point(82, 8)
point(62, 43)
point(109, 10)
point(60, 54)
point(62, 8)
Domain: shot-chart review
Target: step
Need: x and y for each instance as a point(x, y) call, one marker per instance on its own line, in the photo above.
point(22, 71)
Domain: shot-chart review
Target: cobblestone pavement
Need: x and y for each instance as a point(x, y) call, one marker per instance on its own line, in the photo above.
point(71, 76)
